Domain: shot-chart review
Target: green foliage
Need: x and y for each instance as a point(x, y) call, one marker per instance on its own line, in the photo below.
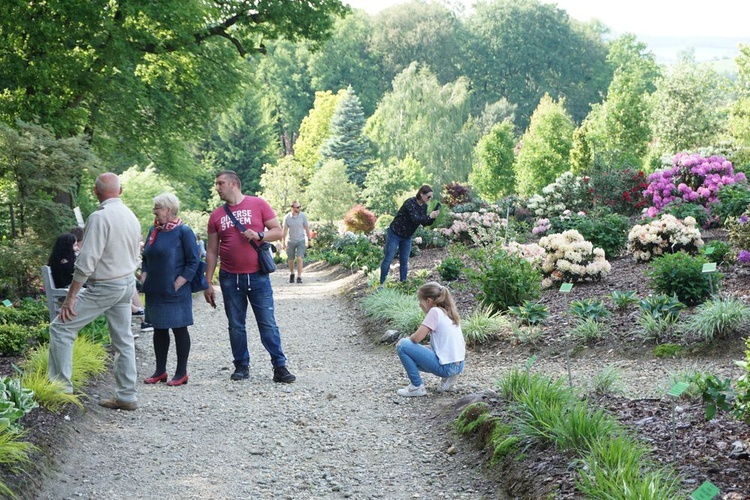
point(20, 263)
point(97, 331)
point(346, 141)
point(717, 318)
point(492, 174)
point(668, 350)
point(30, 312)
point(608, 232)
point(354, 251)
point(282, 183)
point(359, 220)
point(330, 195)
point(733, 201)
point(14, 339)
point(742, 403)
point(717, 251)
point(661, 306)
point(682, 209)
point(139, 187)
point(657, 328)
point(607, 381)
point(388, 184)
point(483, 325)
point(623, 300)
point(504, 280)
point(450, 268)
point(399, 310)
point(589, 330)
point(594, 309)
point(325, 236)
point(717, 394)
point(530, 313)
point(315, 129)
point(49, 393)
point(545, 153)
point(682, 275)
point(619, 190)
point(13, 453)
point(21, 398)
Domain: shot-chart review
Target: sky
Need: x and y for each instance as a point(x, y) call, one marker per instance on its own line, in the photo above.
point(713, 18)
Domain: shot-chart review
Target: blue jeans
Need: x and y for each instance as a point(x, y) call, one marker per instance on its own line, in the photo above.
point(238, 290)
point(416, 358)
point(393, 243)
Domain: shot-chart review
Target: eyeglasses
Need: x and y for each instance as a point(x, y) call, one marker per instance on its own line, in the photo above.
point(427, 196)
point(295, 207)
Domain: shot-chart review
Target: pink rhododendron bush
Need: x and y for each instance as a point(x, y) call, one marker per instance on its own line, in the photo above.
point(692, 179)
point(569, 258)
point(667, 234)
point(480, 228)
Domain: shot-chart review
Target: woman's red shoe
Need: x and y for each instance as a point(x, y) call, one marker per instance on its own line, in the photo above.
point(178, 381)
point(153, 379)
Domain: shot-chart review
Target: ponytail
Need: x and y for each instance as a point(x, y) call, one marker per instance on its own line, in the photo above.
point(442, 298)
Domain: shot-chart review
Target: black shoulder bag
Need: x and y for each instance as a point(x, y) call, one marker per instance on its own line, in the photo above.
point(265, 257)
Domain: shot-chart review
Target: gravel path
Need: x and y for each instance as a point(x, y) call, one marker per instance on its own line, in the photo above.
point(339, 432)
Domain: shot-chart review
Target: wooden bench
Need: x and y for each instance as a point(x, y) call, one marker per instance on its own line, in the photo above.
point(53, 294)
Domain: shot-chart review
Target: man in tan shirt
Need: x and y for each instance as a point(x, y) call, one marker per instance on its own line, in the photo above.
point(107, 263)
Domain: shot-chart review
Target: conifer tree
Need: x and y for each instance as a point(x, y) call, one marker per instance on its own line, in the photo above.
point(347, 142)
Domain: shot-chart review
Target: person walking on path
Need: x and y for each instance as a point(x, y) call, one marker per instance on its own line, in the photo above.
point(295, 223)
point(170, 260)
point(106, 263)
point(239, 278)
point(411, 215)
point(445, 356)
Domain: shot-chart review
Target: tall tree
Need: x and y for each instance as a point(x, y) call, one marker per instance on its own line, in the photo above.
point(245, 139)
point(139, 78)
point(429, 121)
point(388, 183)
point(283, 183)
point(522, 49)
point(493, 176)
point(688, 107)
point(139, 187)
point(739, 120)
point(346, 141)
point(329, 194)
point(425, 32)
point(347, 59)
point(316, 128)
point(545, 147)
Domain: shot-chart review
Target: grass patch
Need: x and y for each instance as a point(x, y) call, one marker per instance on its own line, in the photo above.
point(483, 325)
point(399, 310)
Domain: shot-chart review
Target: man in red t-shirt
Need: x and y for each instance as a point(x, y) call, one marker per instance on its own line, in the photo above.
point(239, 278)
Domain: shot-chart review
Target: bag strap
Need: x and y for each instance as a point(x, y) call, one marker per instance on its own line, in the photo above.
point(239, 226)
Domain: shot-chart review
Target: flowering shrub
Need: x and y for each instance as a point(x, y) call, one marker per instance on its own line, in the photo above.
point(456, 194)
point(619, 190)
point(542, 226)
point(480, 228)
point(568, 192)
point(664, 235)
point(359, 220)
point(739, 236)
point(693, 179)
point(570, 258)
point(530, 252)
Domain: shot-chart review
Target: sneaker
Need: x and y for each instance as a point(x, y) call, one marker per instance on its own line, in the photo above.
point(291, 278)
point(446, 384)
point(136, 335)
point(281, 374)
point(299, 280)
point(139, 312)
point(381, 287)
point(116, 404)
point(146, 327)
point(240, 373)
point(411, 391)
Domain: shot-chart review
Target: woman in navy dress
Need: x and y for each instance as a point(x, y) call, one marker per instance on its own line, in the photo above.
point(170, 259)
point(62, 259)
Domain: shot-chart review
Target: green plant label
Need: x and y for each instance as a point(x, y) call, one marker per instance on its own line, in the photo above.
point(708, 251)
point(677, 389)
point(7, 303)
point(706, 492)
point(709, 267)
point(566, 287)
point(530, 361)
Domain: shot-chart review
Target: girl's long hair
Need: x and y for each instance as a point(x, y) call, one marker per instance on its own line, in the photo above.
point(442, 298)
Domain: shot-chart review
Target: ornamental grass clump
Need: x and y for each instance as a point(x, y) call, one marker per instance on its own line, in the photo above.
point(570, 258)
point(717, 318)
point(664, 236)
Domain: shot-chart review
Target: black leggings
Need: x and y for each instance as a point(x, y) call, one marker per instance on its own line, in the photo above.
point(161, 349)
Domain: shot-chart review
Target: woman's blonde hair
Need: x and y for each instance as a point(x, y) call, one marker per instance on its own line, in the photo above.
point(167, 200)
point(442, 298)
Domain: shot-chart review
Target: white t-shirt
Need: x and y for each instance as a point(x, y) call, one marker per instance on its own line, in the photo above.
point(446, 339)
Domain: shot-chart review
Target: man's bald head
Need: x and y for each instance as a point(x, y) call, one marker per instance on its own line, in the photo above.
point(107, 186)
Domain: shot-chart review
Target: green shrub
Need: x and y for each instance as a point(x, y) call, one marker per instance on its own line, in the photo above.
point(661, 306)
point(717, 251)
point(682, 275)
point(717, 318)
point(14, 339)
point(594, 309)
point(607, 231)
point(657, 328)
point(15, 401)
point(504, 280)
point(668, 350)
point(622, 300)
point(355, 252)
point(530, 313)
point(450, 268)
point(681, 210)
point(483, 325)
point(741, 408)
point(733, 200)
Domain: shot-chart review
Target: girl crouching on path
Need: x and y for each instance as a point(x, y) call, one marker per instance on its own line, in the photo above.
point(445, 356)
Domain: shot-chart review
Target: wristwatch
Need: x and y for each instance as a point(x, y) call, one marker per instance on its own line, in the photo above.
point(261, 235)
